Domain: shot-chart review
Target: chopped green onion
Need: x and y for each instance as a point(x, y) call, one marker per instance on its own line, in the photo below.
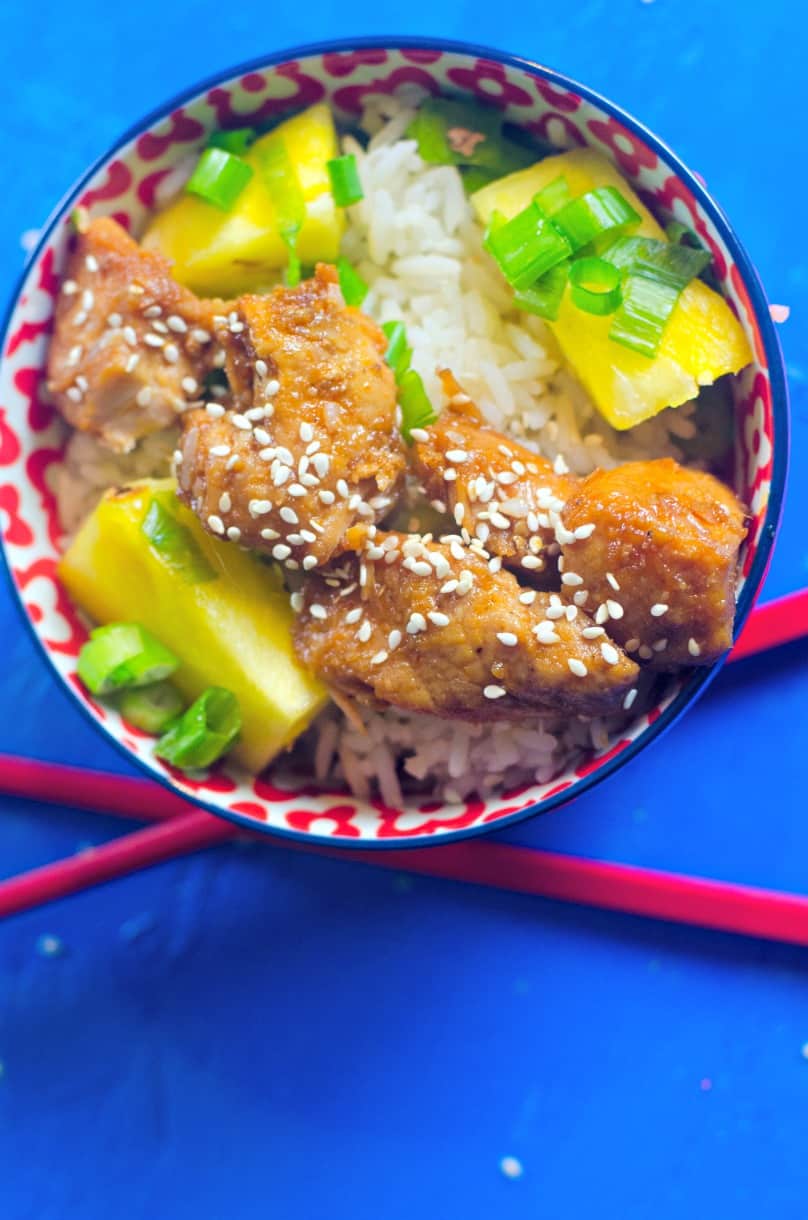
point(595, 285)
point(219, 178)
point(641, 319)
point(526, 246)
point(398, 354)
point(544, 297)
point(122, 655)
point(203, 733)
point(345, 185)
point(353, 287)
point(236, 142)
point(674, 265)
point(151, 708)
point(600, 211)
point(175, 543)
point(450, 132)
point(553, 196)
point(622, 252)
point(416, 409)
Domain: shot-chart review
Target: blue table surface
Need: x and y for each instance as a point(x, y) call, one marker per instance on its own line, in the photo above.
point(249, 1033)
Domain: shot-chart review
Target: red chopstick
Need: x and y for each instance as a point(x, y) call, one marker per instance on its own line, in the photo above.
point(690, 900)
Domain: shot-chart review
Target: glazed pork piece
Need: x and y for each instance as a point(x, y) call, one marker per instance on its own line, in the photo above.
point(428, 627)
point(313, 445)
point(130, 347)
point(503, 494)
point(658, 563)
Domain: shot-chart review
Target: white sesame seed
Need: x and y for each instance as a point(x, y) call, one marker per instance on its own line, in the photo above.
point(560, 466)
point(494, 565)
point(531, 562)
point(281, 551)
point(609, 653)
point(271, 388)
point(494, 692)
point(583, 531)
point(457, 456)
point(280, 474)
point(220, 450)
point(379, 658)
point(153, 311)
point(630, 697)
point(198, 334)
point(577, 667)
point(365, 632)
point(528, 597)
point(450, 586)
point(189, 384)
point(87, 299)
point(499, 521)
point(130, 335)
point(321, 463)
point(505, 477)
point(241, 421)
point(612, 579)
point(437, 618)
point(419, 567)
point(233, 533)
point(216, 524)
point(632, 645)
point(74, 393)
point(419, 434)
point(296, 601)
point(220, 358)
point(70, 288)
point(91, 262)
point(394, 639)
point(308, 536)
point(694, 647)
point(507, 638)
point(416, 623)
point(270, 535)
point(592, 633)
point(143, 397)
point(459, 513)
point(570, 613)
point(602, 613)
point(295, 489)
point(259, 508)
point(306, 432)
point(660, 645)
point(644, 652)
point(289, 515)
point(325, 497)
point(152, 340)
point(353, 616)
point(580, 598)
point(572, 579)
point(449, 475)
point(316, 610)
point(294, 539)
point(80, 318)
point(160, 327)
point(236, 328)
point(225, 503)
point(658, 609)
point(614, 608)
point(309, 562)
point(233, 462)
point(545, 634)
point(132, 363)
point(555, 611)
point(74, 355)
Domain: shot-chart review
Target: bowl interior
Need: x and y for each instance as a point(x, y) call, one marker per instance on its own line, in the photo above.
point(124, 185)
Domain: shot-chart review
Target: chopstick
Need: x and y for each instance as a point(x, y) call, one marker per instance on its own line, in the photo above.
point(183, 828)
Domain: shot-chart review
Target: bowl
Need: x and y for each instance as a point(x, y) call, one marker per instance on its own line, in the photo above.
point(123, 183)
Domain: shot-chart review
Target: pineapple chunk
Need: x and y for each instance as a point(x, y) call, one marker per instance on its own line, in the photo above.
point(219, 253)
point(702, 341)
point(229, 621)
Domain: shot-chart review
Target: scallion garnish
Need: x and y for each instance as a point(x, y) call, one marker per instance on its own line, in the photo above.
point(641, 319)
point(600, 211)
point(151, 708)
point(544, 297)
point(121, 655)
point(398, 353)
point(219, 178)
point(353, 287)
point(345, 184)
point(237, 141)
point(553, 196)
point(595, 285)
point(175, 543)
point(526, 246)
point(450, 132)
point(416, 409)
point(204, 733)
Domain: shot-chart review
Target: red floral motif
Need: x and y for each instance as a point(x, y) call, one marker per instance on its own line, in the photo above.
point(389, 827)
point(301, 819)
point(123, 219)
point(629, 152)
point(17, 531)
point(48, 279)
point(307, 91)
point(351, 98)
point(182, 130)
point(117, 183)
point(422, 57)
point(489, 81)
point(556, 129)
point(739, 287)
point(147, 187)
point(345, 63)
point(9, 444)
point(40, 414)
point(249, 809)
point(27, 332)
point(45, 569)
point(37, 465)
point(561, 99)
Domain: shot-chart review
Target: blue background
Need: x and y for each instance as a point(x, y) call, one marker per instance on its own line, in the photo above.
point(249, 1033)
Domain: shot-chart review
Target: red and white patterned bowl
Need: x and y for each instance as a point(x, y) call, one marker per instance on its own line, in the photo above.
point(123, 184)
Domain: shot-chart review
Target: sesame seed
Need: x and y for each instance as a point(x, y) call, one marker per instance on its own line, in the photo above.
point(494, 565)
point(660, 645)
point(572, 578)
point(316, 610)
point(450, 586)
point(505, 477)
point(281, 551)
point(459, 399)
point(545, 634)
point(457, 456)
point(528, 597)
point(437, 618)
point(70, 288)
point(74, 393)
point(220, 358)
point(632, 645)
point(592, 633)
point(91, 262)
point(531, 562)
point(214, 409)
point(309, 562)
point(296, 602)
point(583, 531)
point(130, 335)
point(280, 474)
point(459, 513)
point(614, 608)
point(236, 328)
point(311, 480)
point(507, 638)
point(295, 489)
point(306, 432)
point(609, 653)
point(353, 616)
point(394, 639)
point(198, 334)
point(365, 632)
point(644, 652)
point(289, 515)
point(379, 658)
point(570, 613)
point(233, 533)
point(114, 321)
point(87, 299)
point(271, 388)
point(326, 497)
point(153, 311)
point(233, 462)
point(500, 521)
point(80, 318)
point(216, 524)
point(259, 508)
point(577, 667)
point(225, 503)
point(220, 450)
point(658, 609)
point(630, 697)
point(419, 434)
point(160, 327)
point(294, 539)
point(308, 536)
point(321, 463)
point(693, 647)
point(580, 598)
point(143, 397)
point(153, 340)
point(416, 623)
point(262, 436)
point(241, 421)
point(74, 355)
point(343, 489)
point(261, 368)
point(132, 363)
point(136, 290)
point(494, 692)
point(602, 613)
point(612, 579)
point(560, 466)
point(449, 476)
point(419, 567)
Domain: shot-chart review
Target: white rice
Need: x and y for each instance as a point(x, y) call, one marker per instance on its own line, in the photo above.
point(414, 239)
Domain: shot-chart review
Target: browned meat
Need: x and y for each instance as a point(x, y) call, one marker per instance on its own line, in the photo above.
point(428, 627)
point(658, 565)
point(130, 346)
point(314, 446)
point(500, 492)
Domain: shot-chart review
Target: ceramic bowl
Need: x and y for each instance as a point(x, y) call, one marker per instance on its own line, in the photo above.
point(123, 184)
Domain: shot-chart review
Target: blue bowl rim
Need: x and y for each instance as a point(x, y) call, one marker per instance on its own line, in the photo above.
point(700, 679)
